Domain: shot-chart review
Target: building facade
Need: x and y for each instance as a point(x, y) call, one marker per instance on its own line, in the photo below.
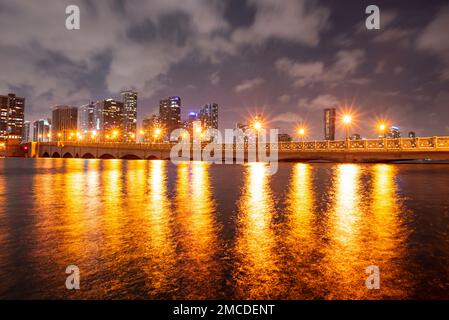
point(149, 127)
point(209, 116)
point(42, 130)
point(89, 118)
point(64, 123)
point(111, 120)
point(26, 132)
point(170, 115)
point(12, 117)
point(329, 123)
point(129, 99)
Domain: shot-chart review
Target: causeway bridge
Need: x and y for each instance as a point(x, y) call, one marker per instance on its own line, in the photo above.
point(370, 150)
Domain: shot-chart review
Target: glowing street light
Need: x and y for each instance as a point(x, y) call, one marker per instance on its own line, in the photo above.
point(347, 119)
point(302, 133)
point(156, 134)
point(382, 127)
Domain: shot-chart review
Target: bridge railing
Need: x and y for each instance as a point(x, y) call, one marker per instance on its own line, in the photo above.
point(405, 144)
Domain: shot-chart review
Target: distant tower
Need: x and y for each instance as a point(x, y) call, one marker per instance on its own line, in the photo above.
point(129, 99)
point(170, 114)
point(42, 130)
point(329, 123)
point(89, 118)
point(12, 113)
point(209, 116)
point(64, 122)
point(111, 119)
point(26, 131)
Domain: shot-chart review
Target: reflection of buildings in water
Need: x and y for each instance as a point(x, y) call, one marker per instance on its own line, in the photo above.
point(195, 218)
point(256, 274)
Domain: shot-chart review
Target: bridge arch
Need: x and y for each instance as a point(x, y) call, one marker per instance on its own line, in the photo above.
point(88, 156)
point(56, 155)
point(106, 156)
point(152, 157)
point(67, 155)
point(130, 157)
point(45, 155)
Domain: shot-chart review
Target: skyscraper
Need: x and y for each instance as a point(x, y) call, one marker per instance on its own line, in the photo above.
point(209, 116)
point(42, 130)
point(12, 112)
point(149, 127)
point(89, 118)
point(111, 119)
point(64, 121)
point(26, 131)
point(129, 99)
point(170, 115)
point(329, 123)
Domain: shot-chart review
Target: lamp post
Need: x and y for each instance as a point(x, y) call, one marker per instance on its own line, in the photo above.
point(382, 128)
point(258, 127)
point(301, 133)
point(347, 119)
point(156, 135)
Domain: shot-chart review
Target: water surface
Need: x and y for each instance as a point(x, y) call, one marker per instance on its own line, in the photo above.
point(152, 230)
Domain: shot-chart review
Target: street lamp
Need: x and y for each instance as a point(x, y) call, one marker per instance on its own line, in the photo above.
point(347, 119)
point(257, 124)
point(382, 127)
point(114, 134)
point(157, 133)
point(302, 133)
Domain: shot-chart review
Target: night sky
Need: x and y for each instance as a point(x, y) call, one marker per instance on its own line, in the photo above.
point(287, 59)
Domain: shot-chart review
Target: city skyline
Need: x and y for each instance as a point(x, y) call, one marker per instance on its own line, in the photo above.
point(326, 60)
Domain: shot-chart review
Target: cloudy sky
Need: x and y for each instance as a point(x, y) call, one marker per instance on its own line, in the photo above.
point(287, 59)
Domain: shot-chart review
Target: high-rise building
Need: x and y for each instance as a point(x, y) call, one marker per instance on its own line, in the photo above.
point(12, 113)
point(64, 123)
point(89, 118)
point(329, 123)
point(209, 116)
point(111, 119)
point(170, 115)
point(42, 130)
point(129, 99)
point(149, 127)
point(26, 131)
point(393, 133)
point(197, 131)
